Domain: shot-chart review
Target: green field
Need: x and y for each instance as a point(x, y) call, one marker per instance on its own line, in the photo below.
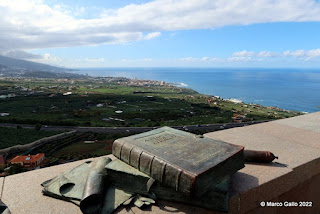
point(94, 102)
point(11, 136)
point(75, 148)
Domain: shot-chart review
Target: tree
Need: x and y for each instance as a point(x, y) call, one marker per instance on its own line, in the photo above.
point(37, 127)
point(15, 169)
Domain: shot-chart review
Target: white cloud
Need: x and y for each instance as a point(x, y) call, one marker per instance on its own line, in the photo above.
point(31, 24)
point(95, 60)
point(250, 55)
point(296, 53)
point(201, 59)
point(243, 54)
point(188, 59)
point(240, 58)
point(266, 54)
point(247, 56)
point(205, 58)
point(152, 35)
point(304, 55)
point(20, 54)
point(314, 53)
point(137, 60)
point(208, 14)
point(48, 58)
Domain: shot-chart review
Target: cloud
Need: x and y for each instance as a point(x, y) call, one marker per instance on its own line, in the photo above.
point(201, 59)
point(152, 35)
point(208, 14)
point(246, 53)
point(243, 54)
point(296, 53)
point(95, 60)
point(147, 59)
point(304, 55)
point(205, 58)
point(240, 58)
point(246, 56)
point(137, 60)
point(20, 54)
point(32, 24)
point(266, 54)
point(188, 59)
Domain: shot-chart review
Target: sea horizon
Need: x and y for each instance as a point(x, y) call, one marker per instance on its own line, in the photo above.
point(287, 88)
point(194, 67)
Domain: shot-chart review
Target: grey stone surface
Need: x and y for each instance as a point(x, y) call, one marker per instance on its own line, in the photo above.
point(308, 122)
point(288, 133)
point(299, 159)
point(294, 140)
point(1, 185)
point(22, 192)
point(290, 153)
point(165, 207)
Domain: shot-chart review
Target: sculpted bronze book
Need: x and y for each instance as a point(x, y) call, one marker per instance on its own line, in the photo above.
point(186, 162)
point(129, 179)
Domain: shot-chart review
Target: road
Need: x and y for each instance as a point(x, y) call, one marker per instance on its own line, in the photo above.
point(109, 130)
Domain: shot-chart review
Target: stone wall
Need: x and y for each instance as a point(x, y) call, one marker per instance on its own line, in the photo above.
point(22, 148)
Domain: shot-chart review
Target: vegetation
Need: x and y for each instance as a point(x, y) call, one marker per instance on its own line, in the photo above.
point(15, 169)
point(119, 102)
point(107, 102)
point(79, 146)
point(11, 136)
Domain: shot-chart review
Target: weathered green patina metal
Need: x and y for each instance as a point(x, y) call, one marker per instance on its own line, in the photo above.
point(4, 209)
point(88, 187)
point(184, 161)
point(103, 185)
point(93, 192)
point(128, 178)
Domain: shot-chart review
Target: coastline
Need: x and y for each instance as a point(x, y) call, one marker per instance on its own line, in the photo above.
point(238, 101)
point(291, 89)
point(112, 101)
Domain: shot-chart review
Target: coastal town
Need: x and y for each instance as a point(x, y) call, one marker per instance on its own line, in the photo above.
point(107, 108)
point(159, 106)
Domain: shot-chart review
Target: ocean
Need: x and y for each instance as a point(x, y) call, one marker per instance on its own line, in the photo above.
point(290, 89)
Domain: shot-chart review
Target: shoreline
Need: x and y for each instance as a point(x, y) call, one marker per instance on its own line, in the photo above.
point(248, 85)
point(139, 82)
point(109, 101)
point(238, 101)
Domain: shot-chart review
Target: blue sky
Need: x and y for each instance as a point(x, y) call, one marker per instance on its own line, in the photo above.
point(162, 33)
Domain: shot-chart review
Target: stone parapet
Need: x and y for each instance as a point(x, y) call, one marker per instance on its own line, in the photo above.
point(294, 177)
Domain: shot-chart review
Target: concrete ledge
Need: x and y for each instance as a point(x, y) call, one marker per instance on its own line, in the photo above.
point(295, 176)
point(22, 193)
point(298, 149)
point(1, 186)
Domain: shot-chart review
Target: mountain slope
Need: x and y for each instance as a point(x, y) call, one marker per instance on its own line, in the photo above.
point(27, 65)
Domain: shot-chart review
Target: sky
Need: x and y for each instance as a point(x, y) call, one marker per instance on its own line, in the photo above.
point(162, 33)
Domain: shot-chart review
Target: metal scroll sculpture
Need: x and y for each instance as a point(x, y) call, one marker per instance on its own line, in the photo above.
point(101, 186)
point(87, 186)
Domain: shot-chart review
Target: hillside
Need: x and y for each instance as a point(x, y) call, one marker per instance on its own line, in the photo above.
point(111, 102)
point(27, 65)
